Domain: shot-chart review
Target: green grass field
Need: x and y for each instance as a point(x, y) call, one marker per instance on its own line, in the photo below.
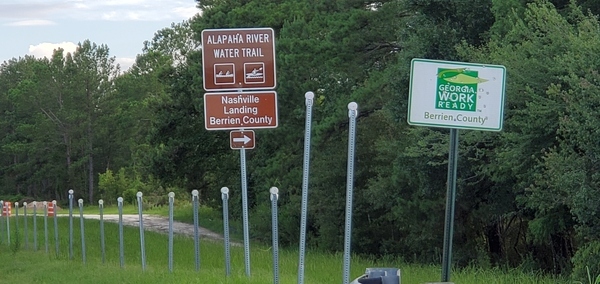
point(20, 265)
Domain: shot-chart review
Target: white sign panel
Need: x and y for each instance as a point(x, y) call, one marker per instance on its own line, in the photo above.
point(456, 95)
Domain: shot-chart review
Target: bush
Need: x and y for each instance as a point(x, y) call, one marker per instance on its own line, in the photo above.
point(129, 196)
point(586, 263)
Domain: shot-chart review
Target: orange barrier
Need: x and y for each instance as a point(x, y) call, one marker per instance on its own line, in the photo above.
point(50, 209)
point(7, 209)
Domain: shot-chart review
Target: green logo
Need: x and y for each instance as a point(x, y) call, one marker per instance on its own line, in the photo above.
point(457, 89)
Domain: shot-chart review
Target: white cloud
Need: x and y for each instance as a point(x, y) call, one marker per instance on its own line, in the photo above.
point(186, 12)
point(111, 10)
point(47, 49)
point(125, 62)
point(32, 23)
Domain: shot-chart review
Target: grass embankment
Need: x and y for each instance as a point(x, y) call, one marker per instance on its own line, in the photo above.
point(28, 266)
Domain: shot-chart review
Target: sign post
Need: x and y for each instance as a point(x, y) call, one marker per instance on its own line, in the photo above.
point(455, 95)
point(240, 60)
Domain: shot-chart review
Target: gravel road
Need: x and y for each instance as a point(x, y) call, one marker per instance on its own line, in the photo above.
point(157, 224)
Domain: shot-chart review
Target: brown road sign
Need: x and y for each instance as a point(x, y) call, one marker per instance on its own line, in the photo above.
point(234, 59)
point(240, 110)
point(241, 139)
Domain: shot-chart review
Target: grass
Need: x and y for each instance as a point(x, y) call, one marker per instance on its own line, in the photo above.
point(19, 265)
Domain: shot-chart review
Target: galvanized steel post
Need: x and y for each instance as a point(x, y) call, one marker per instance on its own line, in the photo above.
point(225, 198)
point(309, 97)
point(352, 114)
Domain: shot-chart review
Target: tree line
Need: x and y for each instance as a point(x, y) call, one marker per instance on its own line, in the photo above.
point(527, 195)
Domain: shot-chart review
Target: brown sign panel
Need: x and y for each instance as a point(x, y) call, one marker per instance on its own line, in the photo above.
point(241, 139)
point(234, 59)
point(240, 110)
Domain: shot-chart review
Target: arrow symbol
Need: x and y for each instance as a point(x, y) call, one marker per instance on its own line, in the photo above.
point(244, 139)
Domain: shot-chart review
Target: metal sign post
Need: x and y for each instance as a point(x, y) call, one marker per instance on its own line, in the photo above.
point(450, 205)
point(245, 211)
point(241, 60)
point(455, 95)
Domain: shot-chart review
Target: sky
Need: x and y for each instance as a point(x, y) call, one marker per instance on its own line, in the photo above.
point(37, 27)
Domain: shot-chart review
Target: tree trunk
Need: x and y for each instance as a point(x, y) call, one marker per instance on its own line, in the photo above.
point(90, 164)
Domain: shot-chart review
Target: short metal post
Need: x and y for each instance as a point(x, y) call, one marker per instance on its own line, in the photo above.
point(2, 221)
point(171, 201)
point(70, 224)
point(225, 198)
point(45, 203)
point(195, 195)
point(142, 242)
point(102, 244)
point(17, 243)
point(25, 227)
point(121, 248)
point(81, 224)
point(55, 217)
point(35, 242)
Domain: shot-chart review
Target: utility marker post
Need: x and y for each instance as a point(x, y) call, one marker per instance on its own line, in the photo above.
point(352, 114)
point(309, 99)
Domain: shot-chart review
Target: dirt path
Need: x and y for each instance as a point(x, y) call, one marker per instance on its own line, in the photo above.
point(158, 224)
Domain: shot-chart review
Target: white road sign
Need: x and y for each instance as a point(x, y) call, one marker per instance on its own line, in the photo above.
point(456, 95)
